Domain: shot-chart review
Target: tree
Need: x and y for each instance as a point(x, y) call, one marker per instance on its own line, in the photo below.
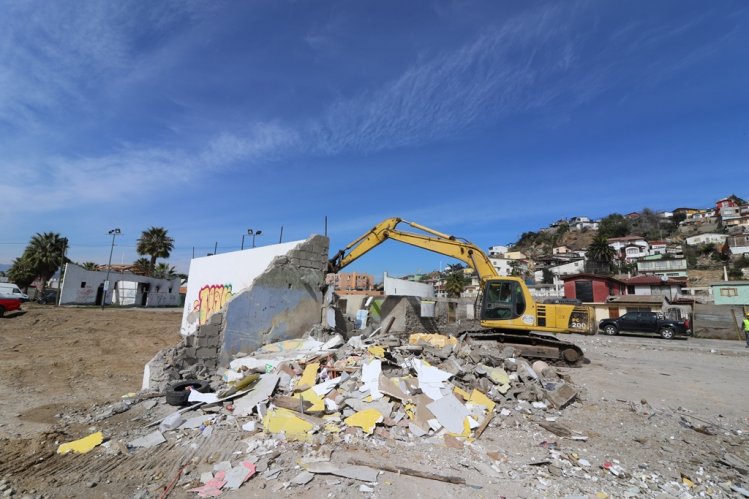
point(90, 265)
point(600, 253)
point(142, 266)
point(164, 271)
point(548, 276)
point(44, 254)
point(455, 282)
point(21, 272)
point(614, 225)
point(517, 269)
point(156, 243)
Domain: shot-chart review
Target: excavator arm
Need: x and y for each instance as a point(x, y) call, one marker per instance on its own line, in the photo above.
point(438, 242)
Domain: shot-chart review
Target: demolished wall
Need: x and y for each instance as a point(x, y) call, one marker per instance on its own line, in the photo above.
point(283, 301)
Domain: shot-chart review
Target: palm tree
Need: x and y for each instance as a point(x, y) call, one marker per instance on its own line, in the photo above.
point(164, 271)
point(156, 243)
point(600, 253)
point(21, 272)
point(45, 253)
point(90, 266)
point(142, 266)
point(454, 283)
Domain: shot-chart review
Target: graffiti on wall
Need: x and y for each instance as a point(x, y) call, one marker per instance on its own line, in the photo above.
point(211, 299)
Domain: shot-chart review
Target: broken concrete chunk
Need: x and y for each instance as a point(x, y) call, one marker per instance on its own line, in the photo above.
point(498, 376)
point(363, 473)
point(562, 395)
point(303, 478)
point(152, 439)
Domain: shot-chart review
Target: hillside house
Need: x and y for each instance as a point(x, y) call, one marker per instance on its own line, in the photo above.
point(657, 247)
point(590, 288)
point(662, 265)
point(707, 238)
point(629, 248)
point(582, 223)
point(730, 292)
point(739, 245)
point(653, 285)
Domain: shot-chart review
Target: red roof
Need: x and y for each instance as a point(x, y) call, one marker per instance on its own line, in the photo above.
point(585, 275)
point(650, 280)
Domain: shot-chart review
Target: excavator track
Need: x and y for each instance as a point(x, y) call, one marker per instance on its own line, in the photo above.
point(532, 345)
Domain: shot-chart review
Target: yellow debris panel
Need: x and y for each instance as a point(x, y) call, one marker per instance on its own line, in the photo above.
point(82, 445)
point(376, 350)
point(366, 419)
point(480, 399)
point(318, 404)
point(435, 340)
point(459, 391)
point(280, 420)
point(308, 377)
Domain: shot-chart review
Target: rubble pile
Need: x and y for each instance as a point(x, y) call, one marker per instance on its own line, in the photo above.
point(327, 392)
point(324, 414)
point(429, 386)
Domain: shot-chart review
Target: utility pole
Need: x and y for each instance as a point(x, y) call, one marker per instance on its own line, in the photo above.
point(280, 238)
point(114, 233)
point(62, 264)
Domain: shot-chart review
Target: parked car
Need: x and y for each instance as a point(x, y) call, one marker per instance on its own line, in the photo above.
point(10, 290)
point(645, 322)
point(48, 297)
point(9, 305)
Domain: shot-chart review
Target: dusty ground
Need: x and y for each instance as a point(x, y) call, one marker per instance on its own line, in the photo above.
point(52, 358)
point(642, 404)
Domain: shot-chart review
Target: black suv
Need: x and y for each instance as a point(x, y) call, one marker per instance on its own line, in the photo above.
point(645, 322)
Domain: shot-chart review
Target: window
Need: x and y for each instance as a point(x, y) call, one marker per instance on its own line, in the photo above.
point(728, 292)
point(83, 284)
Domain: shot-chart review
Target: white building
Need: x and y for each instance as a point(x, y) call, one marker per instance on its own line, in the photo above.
point(87, 287)
point(403, 287)
point(708, 238)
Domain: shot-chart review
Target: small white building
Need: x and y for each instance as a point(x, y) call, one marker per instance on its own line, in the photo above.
point(89, 287)
point(498, 250)
point(403, 287)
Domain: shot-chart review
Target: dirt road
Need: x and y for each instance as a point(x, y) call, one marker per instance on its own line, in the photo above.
point(668, 413)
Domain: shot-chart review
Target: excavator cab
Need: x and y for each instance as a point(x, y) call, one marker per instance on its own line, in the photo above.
point(503, 300)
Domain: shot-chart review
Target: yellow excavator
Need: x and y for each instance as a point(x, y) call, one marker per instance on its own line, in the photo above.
point(508, 312)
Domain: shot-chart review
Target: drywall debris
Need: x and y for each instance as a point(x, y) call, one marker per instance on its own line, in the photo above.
point(83, 445)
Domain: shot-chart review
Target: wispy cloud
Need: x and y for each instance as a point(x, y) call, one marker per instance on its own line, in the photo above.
point(501, 72)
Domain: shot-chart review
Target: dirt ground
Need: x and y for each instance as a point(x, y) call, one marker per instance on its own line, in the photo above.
point(670, 417)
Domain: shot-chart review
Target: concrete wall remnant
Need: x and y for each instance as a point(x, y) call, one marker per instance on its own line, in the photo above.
point(283, 302)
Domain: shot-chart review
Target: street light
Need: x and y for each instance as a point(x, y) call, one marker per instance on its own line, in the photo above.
point(254, 233)
point(114, 233)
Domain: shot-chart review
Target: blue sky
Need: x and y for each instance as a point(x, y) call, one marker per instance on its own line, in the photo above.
point(483, 119)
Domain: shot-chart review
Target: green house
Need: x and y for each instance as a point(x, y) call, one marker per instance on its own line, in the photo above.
point(730, 292)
